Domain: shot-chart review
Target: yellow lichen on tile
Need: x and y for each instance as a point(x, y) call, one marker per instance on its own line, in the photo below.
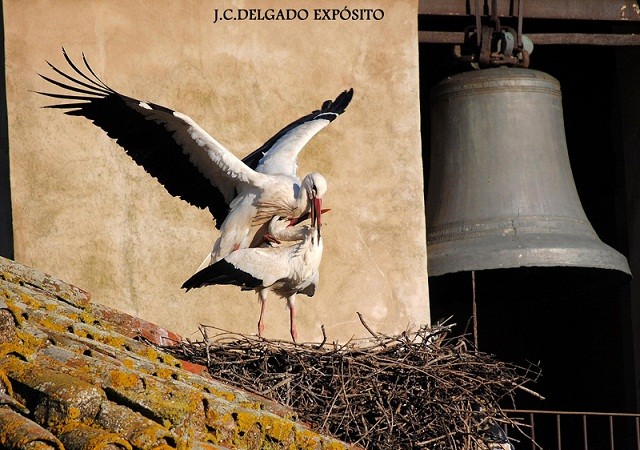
point(52, 307)
point(73, 413)
point(168, 359)
point(164, 373)
point(30, 300)
point(277, 428)
point(29, 343)
point(228, 396)
point(306, 439)
point(5, 383)
point(125, 380)
point(10, 304)
point(112, 340)
point(85, 317)
point(221, 425)
point(245, 420)
point(10, 277)
point(129, 363)
point(80, 435)
point(50, 323)
point(156, 356)
point(15, 348)
point(252, 405)
point(333, 445)
point(47, 350)
point(5, 294)
point(148, 352)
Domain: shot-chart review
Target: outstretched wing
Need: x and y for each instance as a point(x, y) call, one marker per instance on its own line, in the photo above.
point(279, 154)
point(169, 145)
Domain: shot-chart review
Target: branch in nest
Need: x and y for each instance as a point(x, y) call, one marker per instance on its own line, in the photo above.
point(412, 390)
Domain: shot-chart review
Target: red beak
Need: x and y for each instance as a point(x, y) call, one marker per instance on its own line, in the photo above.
point(316, 213)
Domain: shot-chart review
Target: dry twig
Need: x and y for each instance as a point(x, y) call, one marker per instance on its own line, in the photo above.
point(414, 390)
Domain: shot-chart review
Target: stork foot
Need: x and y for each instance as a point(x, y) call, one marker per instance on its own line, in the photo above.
point(260, 327)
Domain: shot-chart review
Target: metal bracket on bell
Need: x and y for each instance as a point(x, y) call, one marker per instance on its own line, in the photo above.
point(492, 45)
point(498, 47)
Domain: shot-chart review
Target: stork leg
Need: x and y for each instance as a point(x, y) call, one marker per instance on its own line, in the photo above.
point(263, 303)
point(292, 318)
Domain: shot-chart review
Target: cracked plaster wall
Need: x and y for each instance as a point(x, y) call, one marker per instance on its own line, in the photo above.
point(84, 212)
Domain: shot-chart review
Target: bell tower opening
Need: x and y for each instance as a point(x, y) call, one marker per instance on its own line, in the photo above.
point(581, 325)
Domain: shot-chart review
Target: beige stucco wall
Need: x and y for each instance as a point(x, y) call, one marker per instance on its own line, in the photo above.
point(85, 212)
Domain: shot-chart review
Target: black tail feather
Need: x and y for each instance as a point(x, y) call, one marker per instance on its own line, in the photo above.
point(221, 272)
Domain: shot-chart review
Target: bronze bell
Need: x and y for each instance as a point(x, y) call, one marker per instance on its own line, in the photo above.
point(503, 196)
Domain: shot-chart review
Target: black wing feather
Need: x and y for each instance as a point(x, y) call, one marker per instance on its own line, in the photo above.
point(221, 272)
point(329, 111)
point(148, 143)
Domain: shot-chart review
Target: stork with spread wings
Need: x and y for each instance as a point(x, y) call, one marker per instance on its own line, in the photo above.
point(242, 195)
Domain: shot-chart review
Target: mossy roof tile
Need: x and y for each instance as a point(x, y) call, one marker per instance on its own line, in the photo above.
point(74, 374)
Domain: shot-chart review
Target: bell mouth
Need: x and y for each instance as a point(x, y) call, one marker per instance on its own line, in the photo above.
point(513, 251)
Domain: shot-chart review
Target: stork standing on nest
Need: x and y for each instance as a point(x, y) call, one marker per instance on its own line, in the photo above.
point(242, 195)
point(284, 269)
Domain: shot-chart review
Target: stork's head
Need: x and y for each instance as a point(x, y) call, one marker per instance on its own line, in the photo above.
point(315, 185)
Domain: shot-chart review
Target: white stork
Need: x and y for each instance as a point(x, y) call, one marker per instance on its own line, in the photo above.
point(285, 270)
point(242, 195)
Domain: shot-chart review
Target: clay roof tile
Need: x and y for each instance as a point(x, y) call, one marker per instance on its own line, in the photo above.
point(79, 375)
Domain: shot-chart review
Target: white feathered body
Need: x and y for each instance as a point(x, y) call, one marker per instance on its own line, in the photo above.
point(288, 268)
point(251, 211)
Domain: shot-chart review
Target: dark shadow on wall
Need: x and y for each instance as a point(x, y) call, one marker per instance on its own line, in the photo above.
point(6, 226)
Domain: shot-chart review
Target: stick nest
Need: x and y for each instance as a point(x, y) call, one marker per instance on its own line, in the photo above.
point(419, 389)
